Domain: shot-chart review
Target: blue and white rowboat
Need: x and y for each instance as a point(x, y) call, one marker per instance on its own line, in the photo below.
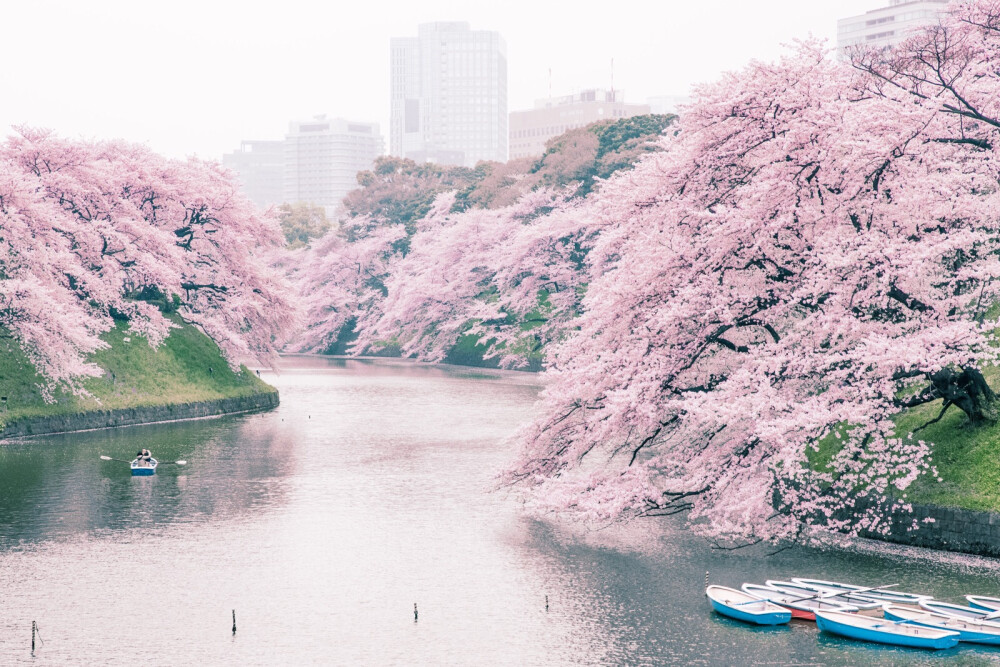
point(956, 610)
point(968, 629)
point(745, 607)
point(855, 601)
point(800, 608)
point(983, 602)
point(879, 594)
point(868, 629)
point(144, 469)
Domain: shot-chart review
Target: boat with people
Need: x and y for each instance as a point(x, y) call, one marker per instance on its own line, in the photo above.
point(745, 607)
point(803, 607)
point(884, 631)
point(143, 464)
point(968, 629)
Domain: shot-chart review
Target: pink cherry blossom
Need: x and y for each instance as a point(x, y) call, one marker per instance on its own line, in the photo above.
point(87, 230)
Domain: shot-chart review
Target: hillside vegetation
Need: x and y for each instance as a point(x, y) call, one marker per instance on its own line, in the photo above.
point(187, 367)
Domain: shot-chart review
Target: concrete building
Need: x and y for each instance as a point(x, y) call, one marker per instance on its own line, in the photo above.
point(323, 157)
point(667, 104)
point(260, 166)
point(888, 25)
point(530, 129)
point(448, 95)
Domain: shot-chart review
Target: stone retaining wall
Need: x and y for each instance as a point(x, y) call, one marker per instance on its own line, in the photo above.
point(953, 529)
point(143, 415)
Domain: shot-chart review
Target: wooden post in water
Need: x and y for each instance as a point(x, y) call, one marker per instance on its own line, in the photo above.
point(234, 621)
point(414, 612)
point(546, 603)
point(33, 628)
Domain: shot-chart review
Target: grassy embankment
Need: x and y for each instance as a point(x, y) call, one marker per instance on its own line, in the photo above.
point(967, 458)
point(135, 375)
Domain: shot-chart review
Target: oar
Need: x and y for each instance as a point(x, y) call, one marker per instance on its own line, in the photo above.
point(178, 463)
point(830, 594)
point(108, 458)
point(817, 596)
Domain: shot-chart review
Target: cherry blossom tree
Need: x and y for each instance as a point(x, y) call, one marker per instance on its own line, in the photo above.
point(341, 278)
point(815, 251)
point(90, 232)
point(510, 276)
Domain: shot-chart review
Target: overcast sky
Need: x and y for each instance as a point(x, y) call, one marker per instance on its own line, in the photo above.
point(197, 76)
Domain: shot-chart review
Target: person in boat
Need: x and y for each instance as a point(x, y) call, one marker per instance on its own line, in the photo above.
point(142, 458)
point(138, 458)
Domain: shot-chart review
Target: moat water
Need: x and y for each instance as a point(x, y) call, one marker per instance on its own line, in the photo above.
point(369, 489)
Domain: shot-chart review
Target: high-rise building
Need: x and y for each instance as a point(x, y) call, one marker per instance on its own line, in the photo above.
point(323, 157)
point(531, 128)
point(449, 95)
point(260, 166)
point(888, 25)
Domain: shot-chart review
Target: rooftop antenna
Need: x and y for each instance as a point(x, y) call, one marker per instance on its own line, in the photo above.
point(612, 79)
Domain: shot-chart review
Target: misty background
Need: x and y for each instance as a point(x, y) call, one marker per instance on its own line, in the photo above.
point(189, 77)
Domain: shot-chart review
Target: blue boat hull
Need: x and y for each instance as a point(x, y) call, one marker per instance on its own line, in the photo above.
point(963, 635)
point(773, 618)
point(873, 635)
point(144, 471)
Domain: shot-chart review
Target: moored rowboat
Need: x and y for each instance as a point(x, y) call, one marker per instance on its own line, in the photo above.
point(881, 595)
point(983, 602)
point(956, 610)
point(143, 468)
point(800, 608)
point(866, 628)
point(968, 629)
point(804, 591)
point(744, 607)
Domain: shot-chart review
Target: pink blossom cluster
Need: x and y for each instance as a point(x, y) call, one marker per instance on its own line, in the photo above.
point(818, 242)
point(88, 228)
point(815, 249)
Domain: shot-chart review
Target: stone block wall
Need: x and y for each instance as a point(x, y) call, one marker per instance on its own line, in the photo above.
point(953, 529)
point(143, 415)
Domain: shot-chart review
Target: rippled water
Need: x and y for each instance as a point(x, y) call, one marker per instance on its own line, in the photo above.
point(322, 522)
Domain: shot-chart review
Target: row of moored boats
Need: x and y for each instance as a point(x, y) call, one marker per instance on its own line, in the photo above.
point(878, 614)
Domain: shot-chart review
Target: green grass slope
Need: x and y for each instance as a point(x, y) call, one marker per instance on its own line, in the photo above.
point(967, 458)
point(188, 367)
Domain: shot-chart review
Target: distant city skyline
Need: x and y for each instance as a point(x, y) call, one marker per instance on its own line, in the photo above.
point(198, 78)
point(449, 94)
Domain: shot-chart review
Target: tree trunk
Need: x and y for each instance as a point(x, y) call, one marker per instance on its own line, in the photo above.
point(969, 392)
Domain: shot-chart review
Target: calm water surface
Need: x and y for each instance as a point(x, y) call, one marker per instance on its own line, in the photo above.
point(322, 522)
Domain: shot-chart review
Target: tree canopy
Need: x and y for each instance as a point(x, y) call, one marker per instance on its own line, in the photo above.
point(93, 231)
point(814, 252)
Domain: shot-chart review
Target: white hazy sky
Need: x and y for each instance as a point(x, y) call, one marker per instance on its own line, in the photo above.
point(197, 76)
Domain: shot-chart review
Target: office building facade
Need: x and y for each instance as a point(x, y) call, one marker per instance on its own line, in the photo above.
point(260, 167)
point(886, 26)
point(323, 157)
point(449, 95)
point(531, 128)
